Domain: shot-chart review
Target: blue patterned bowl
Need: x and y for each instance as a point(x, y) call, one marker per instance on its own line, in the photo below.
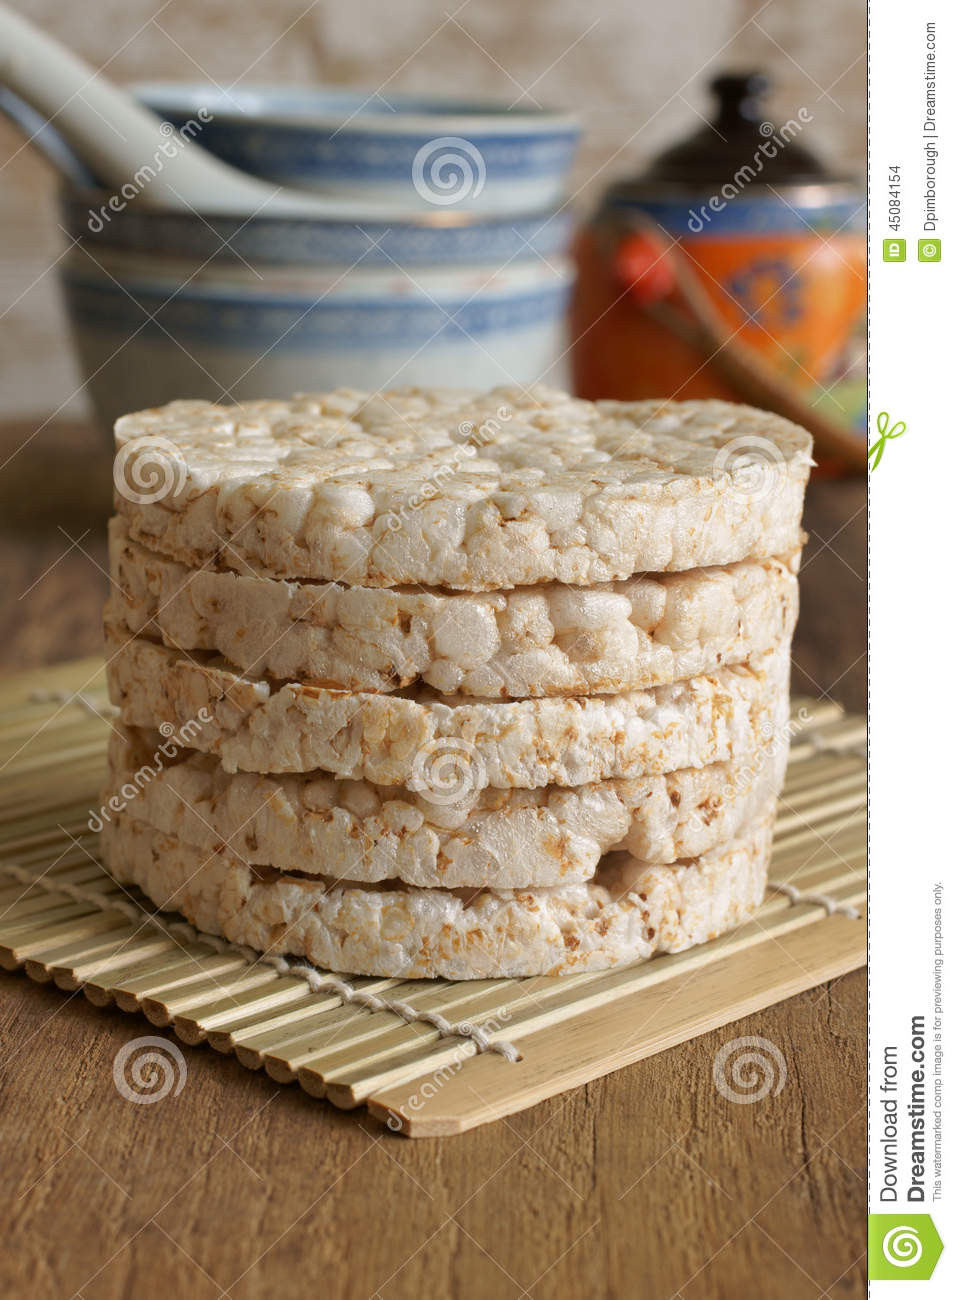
point(409, 240)
point(167, 305)
point(411, 153)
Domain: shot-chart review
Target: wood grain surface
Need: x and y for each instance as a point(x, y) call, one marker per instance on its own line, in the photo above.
point(647, 1183)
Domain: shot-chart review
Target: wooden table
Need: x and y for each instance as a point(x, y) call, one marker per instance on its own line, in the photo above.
point(647, 1183)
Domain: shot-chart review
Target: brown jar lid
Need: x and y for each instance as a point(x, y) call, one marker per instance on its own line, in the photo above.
point(739, 132)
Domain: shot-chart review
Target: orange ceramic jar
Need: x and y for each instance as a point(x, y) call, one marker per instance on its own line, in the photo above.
point(779, 246)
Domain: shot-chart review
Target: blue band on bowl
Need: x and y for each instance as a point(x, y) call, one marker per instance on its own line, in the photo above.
point(300, 322)
point(290, 241)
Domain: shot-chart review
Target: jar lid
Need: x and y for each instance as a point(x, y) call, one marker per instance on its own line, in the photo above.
point(738, 135)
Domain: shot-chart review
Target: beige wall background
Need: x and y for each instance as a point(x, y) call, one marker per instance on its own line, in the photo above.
point(636, 71)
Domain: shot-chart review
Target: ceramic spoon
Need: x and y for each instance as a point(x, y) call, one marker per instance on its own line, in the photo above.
point(44, 137)
point(116, 137)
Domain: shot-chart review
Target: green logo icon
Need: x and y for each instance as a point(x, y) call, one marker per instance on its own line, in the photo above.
point(902, 1246)
point(928, 250)
point(886, 431)
point(895, 250)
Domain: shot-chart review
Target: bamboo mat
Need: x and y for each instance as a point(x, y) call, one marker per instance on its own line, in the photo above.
point(59, 921)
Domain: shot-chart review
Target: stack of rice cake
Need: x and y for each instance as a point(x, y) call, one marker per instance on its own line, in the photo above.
point(445, 684)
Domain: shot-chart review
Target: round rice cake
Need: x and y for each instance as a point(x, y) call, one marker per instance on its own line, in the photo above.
point(628, 913)
point(552, 639)
point(478, 492)
point(444, 746)
point(354, 830)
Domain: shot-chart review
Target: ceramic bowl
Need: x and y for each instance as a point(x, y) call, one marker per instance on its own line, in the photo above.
point(411, 153)
point(434, 238)
point(174, 305)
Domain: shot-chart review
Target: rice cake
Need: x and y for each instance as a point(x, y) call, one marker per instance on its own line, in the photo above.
point(357, 831)
point(443, 746)
point(630, 912)
point(478, 492)
point(534, 641)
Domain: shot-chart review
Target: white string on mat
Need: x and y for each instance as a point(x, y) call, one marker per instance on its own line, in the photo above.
point(317, 981)
point(84, 702)
point(822, 745)
point(831, 905)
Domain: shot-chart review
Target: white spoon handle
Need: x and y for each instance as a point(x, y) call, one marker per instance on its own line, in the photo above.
point(122, 142)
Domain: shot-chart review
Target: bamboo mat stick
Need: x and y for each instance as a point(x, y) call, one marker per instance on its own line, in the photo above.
point(619, 1034)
